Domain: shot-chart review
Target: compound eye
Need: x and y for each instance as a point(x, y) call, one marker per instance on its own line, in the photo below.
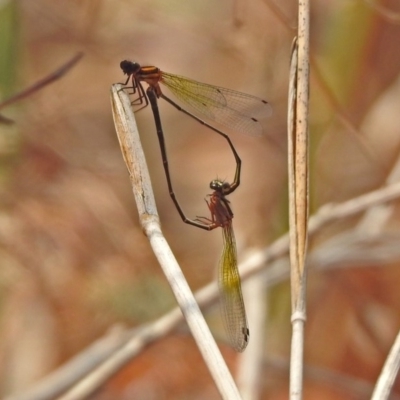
point(216, 185)
point(129, 67)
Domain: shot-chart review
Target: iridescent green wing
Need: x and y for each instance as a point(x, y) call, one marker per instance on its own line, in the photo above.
point(233, 309)
point(229, 108)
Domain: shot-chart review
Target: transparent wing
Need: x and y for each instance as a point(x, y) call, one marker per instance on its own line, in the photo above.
point(235, 110)
point(233, 310)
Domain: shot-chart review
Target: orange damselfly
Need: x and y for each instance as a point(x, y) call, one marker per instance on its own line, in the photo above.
point(229, 108)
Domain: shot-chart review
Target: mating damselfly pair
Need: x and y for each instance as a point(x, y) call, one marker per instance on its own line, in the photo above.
point(229, 108)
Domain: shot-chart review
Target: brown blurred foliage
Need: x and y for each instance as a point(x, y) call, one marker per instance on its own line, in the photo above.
point(74, 261)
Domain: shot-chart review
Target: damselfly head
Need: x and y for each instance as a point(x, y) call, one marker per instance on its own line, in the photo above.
point(219, 186)
point(129, 67)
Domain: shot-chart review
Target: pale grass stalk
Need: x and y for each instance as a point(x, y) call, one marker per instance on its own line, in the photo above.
point(389, 373)
point(298, 193)
point(250, 366)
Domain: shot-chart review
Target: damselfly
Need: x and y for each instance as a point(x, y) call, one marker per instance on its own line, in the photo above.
point(232, 109)
point(229, 108)
point(233, 310)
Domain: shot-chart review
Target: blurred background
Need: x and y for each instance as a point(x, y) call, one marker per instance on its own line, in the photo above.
point(74, 261)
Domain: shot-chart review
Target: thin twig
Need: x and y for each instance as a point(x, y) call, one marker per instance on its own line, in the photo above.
point(57, 74)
